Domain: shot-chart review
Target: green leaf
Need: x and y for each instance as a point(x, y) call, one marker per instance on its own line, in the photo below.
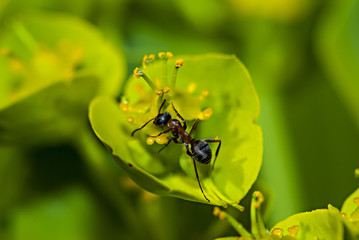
point(53, 66)
point(349, 206)
point(350, 214)
point(338, 48)
point(51, 114)
point(235, 105)
point(318, 224)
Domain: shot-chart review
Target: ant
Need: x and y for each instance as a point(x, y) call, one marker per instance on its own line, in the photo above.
point(200, 150)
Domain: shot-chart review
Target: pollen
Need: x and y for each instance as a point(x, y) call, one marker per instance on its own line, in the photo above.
point(159, 92)
point(137, 73)
point(161, 54)
point(124, 106)
point(151, 57)
point(206, 114)
point(293, 230)
point(166, 89)
point(216, 138)
point(150, 140)
point(144, 60)
point(277, 231)
point(130, 119)
point(179, 63)
point(343, 215)
point(204, 93)
point(161, 140)
point(165, 55)
point(148, 59)
point(191, 87)
point(216, 211)
point(258, 199)
point(356, 201)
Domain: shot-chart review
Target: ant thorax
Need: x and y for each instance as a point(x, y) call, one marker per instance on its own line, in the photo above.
point(174, 123)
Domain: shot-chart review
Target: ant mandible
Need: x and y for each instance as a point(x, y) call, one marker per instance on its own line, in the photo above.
point(200, 150)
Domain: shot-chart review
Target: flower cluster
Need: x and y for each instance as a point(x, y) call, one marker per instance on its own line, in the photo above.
point(160, 88)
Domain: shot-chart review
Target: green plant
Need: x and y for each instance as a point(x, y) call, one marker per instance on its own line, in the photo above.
point(205, 84)
point(318, 224)
point(52, 67)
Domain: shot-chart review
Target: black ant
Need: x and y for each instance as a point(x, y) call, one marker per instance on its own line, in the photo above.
point(200, 149)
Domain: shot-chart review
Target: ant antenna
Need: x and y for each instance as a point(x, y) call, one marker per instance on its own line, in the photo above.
point(142, 126)
point(163, 103)
point(159, 111)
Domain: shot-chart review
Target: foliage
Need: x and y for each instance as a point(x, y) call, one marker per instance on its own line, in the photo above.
point(53, 66)
point(58, 181)
point(318, 224)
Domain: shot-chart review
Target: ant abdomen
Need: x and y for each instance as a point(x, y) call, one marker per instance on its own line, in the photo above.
point(162, 119)
point(201, 151)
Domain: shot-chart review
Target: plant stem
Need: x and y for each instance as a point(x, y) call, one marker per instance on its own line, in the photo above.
point(107, 178)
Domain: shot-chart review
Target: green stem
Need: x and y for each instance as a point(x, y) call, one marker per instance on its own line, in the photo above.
point(173, 82)
point(106, 176)
point(237, 226)
point(148, 80)
point(164, 80)
point(261, 226)
point(254, 223)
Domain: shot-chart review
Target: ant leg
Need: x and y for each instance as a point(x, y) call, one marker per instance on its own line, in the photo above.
point(217, 151)
point(163, 103)
point(184, 122)
point(165, 131)
point(142, 126)
point(172, 139)
point(195, 169)
point(166, 145)
point(194, 126)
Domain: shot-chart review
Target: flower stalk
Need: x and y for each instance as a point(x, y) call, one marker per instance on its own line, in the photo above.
point(258, 229)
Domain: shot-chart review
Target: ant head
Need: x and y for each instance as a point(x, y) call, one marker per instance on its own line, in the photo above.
point(162, 119)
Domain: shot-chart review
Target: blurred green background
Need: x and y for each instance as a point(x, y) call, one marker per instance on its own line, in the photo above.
point(303, 57)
